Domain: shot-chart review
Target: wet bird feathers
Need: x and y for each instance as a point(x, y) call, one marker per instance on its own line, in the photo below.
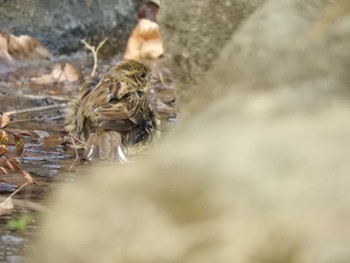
point(114, 111)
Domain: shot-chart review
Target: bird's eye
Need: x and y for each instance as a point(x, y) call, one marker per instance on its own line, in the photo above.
point(142, 74)
point(112, 101)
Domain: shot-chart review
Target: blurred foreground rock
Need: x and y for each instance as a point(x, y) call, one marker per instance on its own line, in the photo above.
point(60, 25)
point(259, 173)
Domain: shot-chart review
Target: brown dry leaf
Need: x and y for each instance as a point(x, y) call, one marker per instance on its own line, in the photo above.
point(30, 180)
point(16, 162)
point(19, 145)
point(25, 47)
point(26, 133)
point(7, 204)
point(6, 61)
point(9, 165)
point(4, 138)
point(53, 141)
point(3, 170)
point(3, 150)
point(59, 73)
point(144, 42)
point(4, 120)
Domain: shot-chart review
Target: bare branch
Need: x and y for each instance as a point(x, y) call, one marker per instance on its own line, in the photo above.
point(41, 108)
point(94, 53)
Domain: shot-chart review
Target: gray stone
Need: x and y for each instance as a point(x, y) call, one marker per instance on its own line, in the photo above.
point(60, 25)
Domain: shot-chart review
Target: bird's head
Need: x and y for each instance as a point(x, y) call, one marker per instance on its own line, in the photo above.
point(137, 72)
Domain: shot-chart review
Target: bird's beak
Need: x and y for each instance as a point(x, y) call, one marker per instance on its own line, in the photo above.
point(147, 87)
point(154, 79)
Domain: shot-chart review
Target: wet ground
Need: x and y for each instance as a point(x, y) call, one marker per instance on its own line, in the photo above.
point(48, 156)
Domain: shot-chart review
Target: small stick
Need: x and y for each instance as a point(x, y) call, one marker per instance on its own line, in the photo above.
point(41, 97)
point(41, 108)
point(26, 175)
point(75, 148)
point(17, 190)
point(83, 143)
point(73, 139)
point(94, 53)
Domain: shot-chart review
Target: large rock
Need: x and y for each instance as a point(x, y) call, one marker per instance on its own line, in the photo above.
point(60, 25)
point(194, 32)
point(259, 174)
point(304, 48)
point(245, 182)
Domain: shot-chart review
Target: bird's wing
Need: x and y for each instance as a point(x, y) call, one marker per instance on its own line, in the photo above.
point(136, 109)
point(121, 115)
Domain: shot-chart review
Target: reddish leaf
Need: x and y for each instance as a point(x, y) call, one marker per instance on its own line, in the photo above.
point(4, 138)
point(16, 162)
point(4, 120)
point(3, 170)
point(19, 145)
point(9, 165)
point(26, 133)
point(3, 150)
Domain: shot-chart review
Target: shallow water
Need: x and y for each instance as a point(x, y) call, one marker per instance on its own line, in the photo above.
point(48, 156)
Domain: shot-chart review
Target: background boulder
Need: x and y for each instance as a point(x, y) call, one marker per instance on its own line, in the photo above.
point(60, 25)
point(194, 33)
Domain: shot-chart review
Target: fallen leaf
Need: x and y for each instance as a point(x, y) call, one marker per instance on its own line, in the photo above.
point(25, 47)
point(4, 120)
point(53, 141)
point(16, 162)
point(3, 150)
point(26, 133)
point(4, 138)
point(3, 170)
point(29, 178)
point(144, 42)
point(6, 61)
point(59, 73)
point(9, 165)
point(7, 204)
point(19, 145)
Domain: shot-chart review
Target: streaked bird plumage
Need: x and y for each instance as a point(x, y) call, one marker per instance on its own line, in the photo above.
point(114, 111)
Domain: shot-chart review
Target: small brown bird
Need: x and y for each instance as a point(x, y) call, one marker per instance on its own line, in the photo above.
point(113, 114)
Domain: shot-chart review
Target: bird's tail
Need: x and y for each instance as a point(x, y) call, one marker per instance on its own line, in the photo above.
point(106, 146)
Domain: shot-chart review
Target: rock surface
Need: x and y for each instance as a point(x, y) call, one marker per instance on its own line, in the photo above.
point(258, 174)
point(60, 25)
point(194, 32)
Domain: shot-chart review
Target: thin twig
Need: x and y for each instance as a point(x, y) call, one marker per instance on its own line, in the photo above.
point(94, 53)
point(75, 148)
point(17, 190)
point(83, 143)
point(41, 97)
point(27, 176)
point(41, 108)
